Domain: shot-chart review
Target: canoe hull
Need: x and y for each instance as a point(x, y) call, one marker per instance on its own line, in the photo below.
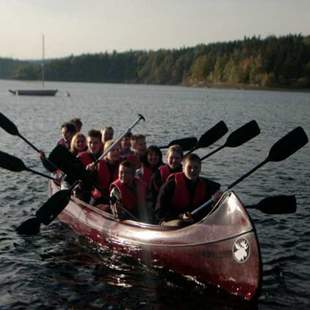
point(220, 251)
point(34, 92)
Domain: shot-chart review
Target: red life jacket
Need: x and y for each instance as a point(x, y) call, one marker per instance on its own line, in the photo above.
point(147, 175)
point(129, 198)
point(104, 177)
point(86, 158)
point(181, 199)
point(134, 159)
point(165, 171)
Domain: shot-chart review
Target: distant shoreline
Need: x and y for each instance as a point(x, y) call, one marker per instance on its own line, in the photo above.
point(197, 85)
point(247, 87)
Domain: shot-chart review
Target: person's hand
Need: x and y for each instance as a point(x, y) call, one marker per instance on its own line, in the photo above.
point(91, 167)
point(186, 217)
point(42, 155)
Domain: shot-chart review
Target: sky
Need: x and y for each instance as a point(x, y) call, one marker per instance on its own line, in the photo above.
point(75, 27)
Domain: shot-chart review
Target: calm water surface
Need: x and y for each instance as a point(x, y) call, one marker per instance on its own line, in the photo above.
point(59, 270)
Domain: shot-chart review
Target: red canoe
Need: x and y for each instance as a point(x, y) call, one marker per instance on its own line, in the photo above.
point(221, 250)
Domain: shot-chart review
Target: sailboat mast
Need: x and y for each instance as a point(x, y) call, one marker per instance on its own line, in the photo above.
point(43, 57)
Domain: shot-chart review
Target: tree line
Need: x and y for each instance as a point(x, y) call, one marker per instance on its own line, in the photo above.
point(255, 62)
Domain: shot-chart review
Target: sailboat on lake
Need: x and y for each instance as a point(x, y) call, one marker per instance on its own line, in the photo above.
point(36, 92)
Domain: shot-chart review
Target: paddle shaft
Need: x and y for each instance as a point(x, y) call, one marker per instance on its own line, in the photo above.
point(213, 152)
point(41, 174)
point(29, 143)
point(120, 137)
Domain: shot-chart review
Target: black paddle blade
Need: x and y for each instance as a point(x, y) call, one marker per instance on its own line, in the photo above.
point(53, 206)
point(69, 164)
point(212, 135)
point(29, 227)
point(243, 134)
point(288, 145)
point(11, 162)
point(185, 143)
point(281, 204)
point(8, 126)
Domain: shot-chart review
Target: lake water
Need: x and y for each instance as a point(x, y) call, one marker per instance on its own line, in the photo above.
point(59, 270)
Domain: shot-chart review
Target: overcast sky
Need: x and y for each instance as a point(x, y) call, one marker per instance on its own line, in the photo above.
point(93, 26)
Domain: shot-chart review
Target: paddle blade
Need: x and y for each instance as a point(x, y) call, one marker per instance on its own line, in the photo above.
point(8, 126)
point(53, 206)
point(68, 163)
point(185, 143)
point(11, 162)
point(281, 204)
point(212, 135)
point(243, 134)
point(288, 145)
point(29, 227)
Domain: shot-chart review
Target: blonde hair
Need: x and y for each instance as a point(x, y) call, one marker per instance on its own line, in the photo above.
point(73, 143)
point(175, 149)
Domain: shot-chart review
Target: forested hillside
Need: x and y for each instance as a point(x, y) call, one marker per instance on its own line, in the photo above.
point(254, 62)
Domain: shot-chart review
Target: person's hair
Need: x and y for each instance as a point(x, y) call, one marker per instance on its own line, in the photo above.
point(127, 135)
point(175, 148)
point(107, 144)
point(109, 128)
point(192, 158)
point(77, 123)
point(69, 126)
point(74, 142)
point(137, 137)
point(155, 149)
point(128, 164)
point(94, 133)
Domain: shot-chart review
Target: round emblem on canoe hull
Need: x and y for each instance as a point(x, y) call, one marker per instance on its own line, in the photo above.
point(241, 250)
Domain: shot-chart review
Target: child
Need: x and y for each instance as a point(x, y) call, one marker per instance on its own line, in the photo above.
point(174, 164)
point(127, 194)
point(78, 144)
point(94, 151)
point(184, 191)
point(106, 173)
point(107, 134)
point(68, 131)
point(138, 146)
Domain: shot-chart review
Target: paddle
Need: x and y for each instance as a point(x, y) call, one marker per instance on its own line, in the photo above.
point(280, 204)
point(11, 128)
point(185, 143)
point(281, 150)
point(210, 136)
point(15, 164)
point(238, 137)
point(47, 213)
point(140, 117)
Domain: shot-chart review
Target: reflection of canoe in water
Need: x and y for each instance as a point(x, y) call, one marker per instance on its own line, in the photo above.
point(33, 92)
point(221, 250)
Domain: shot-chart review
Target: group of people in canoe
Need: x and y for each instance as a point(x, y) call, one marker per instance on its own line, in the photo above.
point(132, 180)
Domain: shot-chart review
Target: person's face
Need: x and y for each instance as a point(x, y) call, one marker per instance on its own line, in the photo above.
point(174, 160)
point(107, 134)
point(191, 169)
point(126, 175)
point(153, 159)
point(114, 154)
point(140, 146)
point(66, 134)
point(80, 143)
point(94, 144)
point(125, 143)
